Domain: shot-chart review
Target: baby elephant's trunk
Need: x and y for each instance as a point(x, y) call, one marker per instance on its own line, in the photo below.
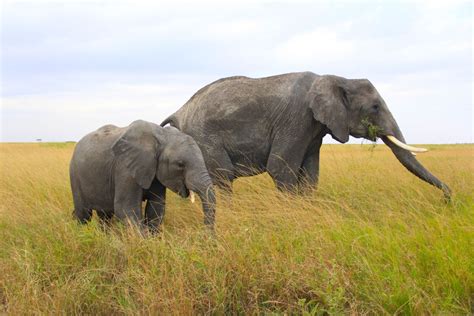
point(208, 198)
point(202, 185)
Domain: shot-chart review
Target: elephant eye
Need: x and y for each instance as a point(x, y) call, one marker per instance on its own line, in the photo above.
point(180, 164)
point(375, 107)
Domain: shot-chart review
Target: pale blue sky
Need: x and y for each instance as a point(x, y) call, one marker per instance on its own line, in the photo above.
point(69, 67)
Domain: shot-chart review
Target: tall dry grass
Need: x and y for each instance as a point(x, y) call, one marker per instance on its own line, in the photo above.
point(373, 239)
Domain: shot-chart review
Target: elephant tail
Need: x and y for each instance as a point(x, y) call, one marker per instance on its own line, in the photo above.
point(170, 120)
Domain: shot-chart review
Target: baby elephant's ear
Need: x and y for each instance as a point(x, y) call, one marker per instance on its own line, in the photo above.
point(138, 148)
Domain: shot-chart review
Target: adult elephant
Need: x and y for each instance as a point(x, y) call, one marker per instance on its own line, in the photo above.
point(245, 126)
point(114, 169)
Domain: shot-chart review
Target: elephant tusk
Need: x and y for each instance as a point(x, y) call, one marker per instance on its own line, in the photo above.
point(191, 196)
point(405, 146)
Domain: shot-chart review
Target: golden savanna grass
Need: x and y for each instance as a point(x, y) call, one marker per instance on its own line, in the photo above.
point(372, 239)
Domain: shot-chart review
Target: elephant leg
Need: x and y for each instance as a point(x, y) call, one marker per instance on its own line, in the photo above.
point(82, 214)
point(308, 175)
point(128, 202)
point(223, 183)
point(105, 216)
point(283, 166)
point(220, 169)
point(129, 213)
point(155, 206)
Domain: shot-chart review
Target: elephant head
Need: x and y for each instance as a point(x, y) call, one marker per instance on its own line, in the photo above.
point(354, 107)
point(151, 151)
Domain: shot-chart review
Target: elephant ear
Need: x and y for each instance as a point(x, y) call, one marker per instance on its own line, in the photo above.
point(138, 148)
point(328, 100)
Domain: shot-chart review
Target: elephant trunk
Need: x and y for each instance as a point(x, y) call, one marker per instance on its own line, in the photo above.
point(208, 198)
point(202, 185)
point(407, 159)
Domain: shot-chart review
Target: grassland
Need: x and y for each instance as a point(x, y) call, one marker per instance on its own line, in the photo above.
point(373, 239)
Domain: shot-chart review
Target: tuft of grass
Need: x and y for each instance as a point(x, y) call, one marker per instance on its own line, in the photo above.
point(373, 131)
point(373, 239)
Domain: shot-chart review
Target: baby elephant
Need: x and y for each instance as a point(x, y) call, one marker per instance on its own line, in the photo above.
point(115, 168)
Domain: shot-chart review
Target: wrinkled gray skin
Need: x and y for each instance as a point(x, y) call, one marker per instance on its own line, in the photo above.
point(246, 126)
point(114, 169)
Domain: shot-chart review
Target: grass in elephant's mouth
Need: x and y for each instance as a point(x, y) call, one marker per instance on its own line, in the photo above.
point(365, 242)
point(373, 131)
